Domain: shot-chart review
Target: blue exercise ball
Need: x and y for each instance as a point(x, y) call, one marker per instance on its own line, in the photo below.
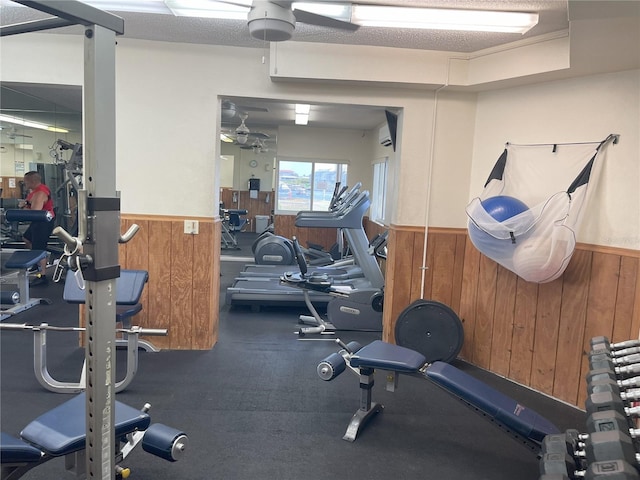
point(502, 207)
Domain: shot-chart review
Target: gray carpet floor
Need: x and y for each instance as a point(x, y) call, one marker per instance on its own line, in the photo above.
point(254, 407)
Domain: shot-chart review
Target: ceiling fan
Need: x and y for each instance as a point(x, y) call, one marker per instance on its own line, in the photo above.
point(275, 20)
point(13, 133)
point(258, 145)
point(242, 133)
point(231, 110)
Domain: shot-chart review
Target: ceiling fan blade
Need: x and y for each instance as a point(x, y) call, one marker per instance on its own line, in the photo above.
point(235, 4)
point(251, 109)
point(304, 16)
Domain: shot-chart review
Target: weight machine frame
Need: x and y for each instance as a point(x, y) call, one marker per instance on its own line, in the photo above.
point(98, 213)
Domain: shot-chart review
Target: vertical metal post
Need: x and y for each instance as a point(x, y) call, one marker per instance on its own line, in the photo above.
point(102, 215)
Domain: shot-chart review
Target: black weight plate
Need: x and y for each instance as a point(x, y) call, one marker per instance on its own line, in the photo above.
point(432, 329)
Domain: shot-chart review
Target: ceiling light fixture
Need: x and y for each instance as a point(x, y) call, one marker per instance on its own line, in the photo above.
point(140, 6)
point(303, 108)
point(364, 15)
point(208, 9)
point(302, 113)
point(339, 11)
point(443, 19)
point(27, 123)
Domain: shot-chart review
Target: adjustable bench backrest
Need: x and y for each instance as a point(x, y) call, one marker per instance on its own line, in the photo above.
point(129, 287)
point(505, 411)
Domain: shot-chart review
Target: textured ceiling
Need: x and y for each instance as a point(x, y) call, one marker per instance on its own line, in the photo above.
point(553, 17)
point(552, 13)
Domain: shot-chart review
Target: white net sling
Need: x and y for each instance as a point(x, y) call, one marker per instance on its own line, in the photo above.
point(527, 216)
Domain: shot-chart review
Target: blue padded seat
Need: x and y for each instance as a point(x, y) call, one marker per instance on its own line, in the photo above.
point(386, 356)
point(125, 312)
point(23, 259)
point(63, 430)
point(505, 410)
point(13, 450)
point(129, 287)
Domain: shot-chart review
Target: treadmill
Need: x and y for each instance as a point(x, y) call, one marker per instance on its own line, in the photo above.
point(267, 291)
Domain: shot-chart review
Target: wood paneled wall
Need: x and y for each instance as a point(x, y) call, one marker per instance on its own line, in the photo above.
point(534, 334)
point(263, 205)
point(7, 190)
point(184, 279)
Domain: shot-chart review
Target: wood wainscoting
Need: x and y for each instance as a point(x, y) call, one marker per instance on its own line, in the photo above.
point(535, 334)
point(184, 278)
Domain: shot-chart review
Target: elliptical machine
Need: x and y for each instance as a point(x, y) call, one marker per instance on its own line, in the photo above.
point(427, 326)
point(271, 249)
point(350, 309)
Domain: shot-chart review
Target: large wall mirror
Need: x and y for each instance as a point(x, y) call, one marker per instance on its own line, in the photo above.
point(42, 131)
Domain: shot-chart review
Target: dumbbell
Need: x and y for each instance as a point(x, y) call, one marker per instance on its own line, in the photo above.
point(608, 385)
point(610, 420)
point(628, 364)
point(611, 470)
point(600, 401)
point(604, 341)
point(621, 352)
point(605, 442)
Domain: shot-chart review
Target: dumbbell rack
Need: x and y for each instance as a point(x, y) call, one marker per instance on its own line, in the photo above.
point(609, 450)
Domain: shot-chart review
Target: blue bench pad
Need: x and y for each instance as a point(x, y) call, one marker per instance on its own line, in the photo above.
point(502, 408)
point(386, 356)
point(63, 430)
point(23, 259)
point(125, 312)
point(14, 450)
point(129, 287)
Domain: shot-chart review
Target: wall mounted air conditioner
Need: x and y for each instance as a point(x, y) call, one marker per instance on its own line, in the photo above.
point(385, 136)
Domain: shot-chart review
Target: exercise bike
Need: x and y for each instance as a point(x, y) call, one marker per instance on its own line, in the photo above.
point(426, 326)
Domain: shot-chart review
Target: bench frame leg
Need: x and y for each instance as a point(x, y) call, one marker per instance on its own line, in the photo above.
point(26, 302)
point(367, 410)
point(48, 382)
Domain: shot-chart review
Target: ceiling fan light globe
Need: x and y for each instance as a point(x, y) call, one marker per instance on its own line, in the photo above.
point(242, 138)
point(271, 29)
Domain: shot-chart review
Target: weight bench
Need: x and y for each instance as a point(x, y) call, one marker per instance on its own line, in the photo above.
point(22, 261)
point(129, 287)
point(61, 432)
point(527, 426)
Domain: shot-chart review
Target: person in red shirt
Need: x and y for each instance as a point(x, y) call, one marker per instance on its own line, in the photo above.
point(37, 235)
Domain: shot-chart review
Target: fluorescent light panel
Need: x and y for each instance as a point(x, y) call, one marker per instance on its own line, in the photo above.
point(302, 119)
point(27, 123)
point(208, 9)
point(444, 19)
point(140, 6)
point(365, 15)
point(339, 11)
point(303, 108)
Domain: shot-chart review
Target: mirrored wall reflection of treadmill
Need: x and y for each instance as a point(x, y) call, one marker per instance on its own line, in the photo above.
point(268, 291)
point(341, 270)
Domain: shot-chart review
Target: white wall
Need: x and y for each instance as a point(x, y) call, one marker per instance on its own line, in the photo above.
point(158, 122)
point(168, 115)
point(576, 110)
